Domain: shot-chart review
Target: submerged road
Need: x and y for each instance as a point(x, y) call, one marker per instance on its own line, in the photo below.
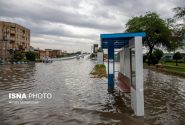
point(78, 99)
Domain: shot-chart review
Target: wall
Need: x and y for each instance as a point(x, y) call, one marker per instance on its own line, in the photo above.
point(125, 62)
point(99, 57)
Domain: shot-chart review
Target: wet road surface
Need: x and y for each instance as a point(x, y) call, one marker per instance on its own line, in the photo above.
point(79, 99)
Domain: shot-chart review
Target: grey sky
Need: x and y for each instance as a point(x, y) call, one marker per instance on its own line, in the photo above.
point(76, 24)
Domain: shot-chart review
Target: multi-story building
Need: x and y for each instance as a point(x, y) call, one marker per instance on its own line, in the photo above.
point(56, 53)
point(43, 54)
point(49, 53)
point(13, 37)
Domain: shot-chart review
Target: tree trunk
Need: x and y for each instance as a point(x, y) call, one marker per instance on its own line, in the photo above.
point(150, 55)
point(176, 62)
point(151, 44)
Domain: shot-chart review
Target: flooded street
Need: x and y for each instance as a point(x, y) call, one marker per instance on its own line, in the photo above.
point(164, 99)
point(79, 99)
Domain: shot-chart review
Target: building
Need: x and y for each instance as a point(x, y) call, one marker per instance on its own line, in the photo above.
point(95, 48)
point(43, 54)
point(13, 37)
point(49, 53)
point(169, 56)
point(56, 53)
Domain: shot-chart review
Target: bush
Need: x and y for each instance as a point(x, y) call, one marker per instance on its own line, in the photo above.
point(100, 66)
point(99, 70)
point(145, 58)
point(31, 56)
point(92, 55)
point(158, 55)
point(154, 59)
point(18, 55)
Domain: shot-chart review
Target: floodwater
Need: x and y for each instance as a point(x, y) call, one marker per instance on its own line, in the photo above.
point(164, 99)
point(78, 99)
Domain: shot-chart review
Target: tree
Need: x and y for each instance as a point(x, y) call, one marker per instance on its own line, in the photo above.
point(79, 52)
point(18, 55)
point(177, 56)
point(155, 27)
point(158, 54)
point(145, 58)
point(176, 37)
point(31, 56)
point(175, 43)
point(154, 59)
point(180, 14)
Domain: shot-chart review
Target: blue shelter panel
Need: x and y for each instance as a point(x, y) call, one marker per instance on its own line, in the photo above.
point(119, 40)
point(122, 35)
point(110, 66)
point(110, 51)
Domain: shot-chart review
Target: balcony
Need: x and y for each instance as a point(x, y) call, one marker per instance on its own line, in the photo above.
point(12, 38)
point(12, 31)
point(12, 41)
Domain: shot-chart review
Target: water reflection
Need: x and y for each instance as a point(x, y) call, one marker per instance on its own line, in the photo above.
point(164, 99)
point(16, 77)
point(79, 99)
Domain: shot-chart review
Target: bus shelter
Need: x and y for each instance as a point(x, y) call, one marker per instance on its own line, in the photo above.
point(130, 76)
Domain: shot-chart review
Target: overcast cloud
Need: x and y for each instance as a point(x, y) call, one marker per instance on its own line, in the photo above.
point(76, 24)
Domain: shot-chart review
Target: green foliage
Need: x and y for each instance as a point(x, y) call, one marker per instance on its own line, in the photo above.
point(158, 54)
point(177, 37)
point(157, 31)
point(31, 56)
point(173, 61)
point(145, 57)
point(99, 70)
point(180, 12)
point(99, 66)
point(177, 56)
point(18, 56)
point(174, 44)
point(180, 27)
point(152, 24)
point(154, 59)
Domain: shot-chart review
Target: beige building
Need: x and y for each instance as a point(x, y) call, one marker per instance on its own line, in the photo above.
point(43, 54)
point(49, 53)
point(13, 37)
point(56, 53)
